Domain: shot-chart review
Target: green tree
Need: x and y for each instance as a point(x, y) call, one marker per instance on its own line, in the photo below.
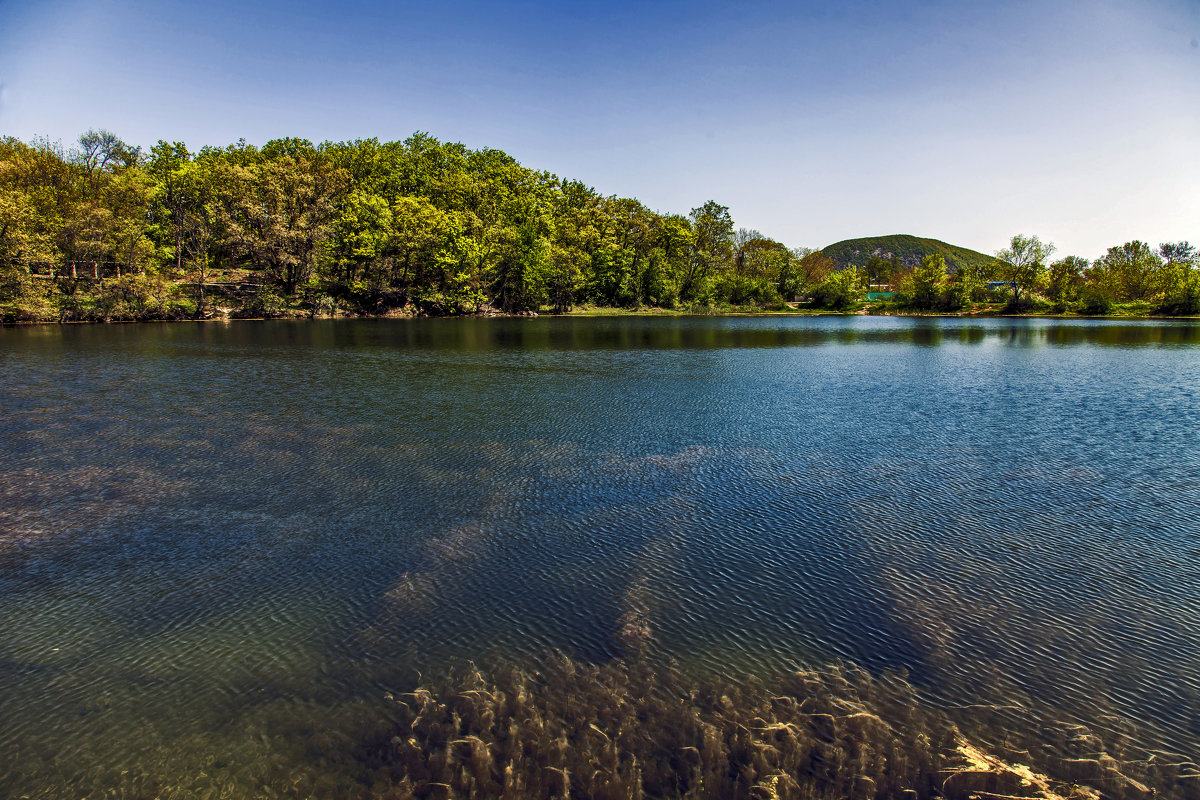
point(1180, 278)
point(712, 248)
point(358, 236)
point(165, 166)
point(1179, 253)
point(101, 152)
point(812, 268)
point(1024, 264)
point(128, 195)
point(1132, 271)
point(925, 284)
point(1064, 281)
point(878, 270)
point(968, 285)
point(761, 267)
point(286, 213)
point(199, 222)
point(671, 243)
point(840, 290)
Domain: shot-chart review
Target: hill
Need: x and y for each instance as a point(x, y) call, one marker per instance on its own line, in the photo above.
point(908, 249)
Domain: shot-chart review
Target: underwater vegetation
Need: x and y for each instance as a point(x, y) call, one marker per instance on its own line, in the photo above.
point(637, 724)
point(626, 729)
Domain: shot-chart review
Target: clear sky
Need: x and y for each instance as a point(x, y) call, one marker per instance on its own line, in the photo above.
point(966, 121)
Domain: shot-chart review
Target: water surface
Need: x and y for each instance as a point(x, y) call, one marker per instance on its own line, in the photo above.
point(221, 545)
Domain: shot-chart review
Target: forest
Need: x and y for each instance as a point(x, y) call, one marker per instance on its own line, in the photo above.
point(106, 231)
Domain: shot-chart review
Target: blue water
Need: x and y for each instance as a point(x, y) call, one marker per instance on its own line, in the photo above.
point(222, 544)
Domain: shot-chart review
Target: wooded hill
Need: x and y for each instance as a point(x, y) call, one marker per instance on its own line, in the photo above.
point(908, 252)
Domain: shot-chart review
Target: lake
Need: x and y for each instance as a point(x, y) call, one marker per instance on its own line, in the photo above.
point(223, 545)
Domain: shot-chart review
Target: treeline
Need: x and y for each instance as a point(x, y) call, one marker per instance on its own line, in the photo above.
point(1134, 275)
point(106, 230)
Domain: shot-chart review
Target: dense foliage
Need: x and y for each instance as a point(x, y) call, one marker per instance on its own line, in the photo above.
point(107, 231)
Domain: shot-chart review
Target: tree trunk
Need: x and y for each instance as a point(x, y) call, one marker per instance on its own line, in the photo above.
point(200, 286)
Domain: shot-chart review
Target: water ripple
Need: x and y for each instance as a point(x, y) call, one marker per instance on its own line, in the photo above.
point(219, 545)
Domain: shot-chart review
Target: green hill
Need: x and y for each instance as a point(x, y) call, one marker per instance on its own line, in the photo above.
point(908, 249)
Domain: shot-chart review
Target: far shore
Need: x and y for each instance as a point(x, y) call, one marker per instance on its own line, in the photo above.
point(792, 310)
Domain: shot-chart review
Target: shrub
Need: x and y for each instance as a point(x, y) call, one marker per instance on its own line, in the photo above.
point(1023, 304)
point(839, 291)
point(264, 303)
point(133, 297)
point(22, 299)
point(1096, 304)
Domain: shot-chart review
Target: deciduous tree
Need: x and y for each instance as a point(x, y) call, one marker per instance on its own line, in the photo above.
point(1024, 263)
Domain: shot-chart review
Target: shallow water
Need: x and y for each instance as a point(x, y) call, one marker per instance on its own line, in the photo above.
point(222, 544)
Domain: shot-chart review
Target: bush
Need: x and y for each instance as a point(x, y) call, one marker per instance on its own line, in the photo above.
point(22, 299)
point(840, 291)
point(133, 298)
point(322, 305)
point(747, 290)
point(264, 303)
point(1096, 304)
point(1023, 304)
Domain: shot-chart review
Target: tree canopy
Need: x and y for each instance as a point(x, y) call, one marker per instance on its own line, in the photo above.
point(373, 225)
point(105, 230)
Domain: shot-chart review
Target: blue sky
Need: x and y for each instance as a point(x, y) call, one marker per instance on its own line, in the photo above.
point(814, 122)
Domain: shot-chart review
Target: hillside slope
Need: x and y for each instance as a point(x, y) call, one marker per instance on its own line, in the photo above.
point(908, 249)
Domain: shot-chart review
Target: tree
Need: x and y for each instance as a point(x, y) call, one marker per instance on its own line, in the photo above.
point(522, 266)
point(22, 238)
point(128, 195)
point(1065, 279)
point(199, 221)
point(671, 242)
point(968, 285)
point(358, 236)
point(812, 268)
point(566, 271)
point(1180, 279)
point(760, 267)
point(712, 248)
point(416, 238)
point(286, 214)
point(878, 270)
point(101, 150)
point(165, 167)
point(926, 282)
point(1024, 263)
point(1131, 271)
point(21, 241)
point(1178, 253)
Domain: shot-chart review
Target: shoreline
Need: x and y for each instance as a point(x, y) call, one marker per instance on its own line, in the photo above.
point(608, 312)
